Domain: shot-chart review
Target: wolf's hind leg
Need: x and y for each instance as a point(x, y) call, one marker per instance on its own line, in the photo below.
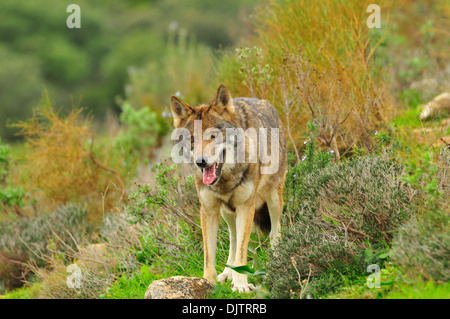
point(230, 219)
point(275, 205)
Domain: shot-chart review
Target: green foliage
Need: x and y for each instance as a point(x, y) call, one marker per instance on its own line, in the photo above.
point(309, 251)
point(337, 219)
point(19, 93)
point(142, 130)
point(4, 162)
point(173, 193)
point(185, 69)
point(383, 138)
point(411, 97)
point(414, 68)
point(132, 286)
point(422, 175)
point(12, 196)
point(257, 276)
point(421, 247)
point(170, 211)
point(315, 73)
point(38, 51)
point(257, 76)
point(9, 196)
point(421, 290)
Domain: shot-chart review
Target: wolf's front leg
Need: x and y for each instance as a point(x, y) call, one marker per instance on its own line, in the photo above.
point(244, 223)
point(230, 218)
point(210, 226)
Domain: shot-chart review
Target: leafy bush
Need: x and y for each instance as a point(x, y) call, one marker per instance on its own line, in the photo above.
point(171, 212)
point(309, 251)
point(9, 196)
point(421, 249)
point(142, 130)
point(12, 196)
point(171, 240)
point(4, 162)
point(337, 220)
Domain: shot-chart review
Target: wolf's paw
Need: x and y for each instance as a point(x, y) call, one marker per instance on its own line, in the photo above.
point(240, 283)
point(227, 274)
point(243, 287)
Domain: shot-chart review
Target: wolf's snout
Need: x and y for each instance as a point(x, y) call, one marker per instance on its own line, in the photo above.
point(201, 162)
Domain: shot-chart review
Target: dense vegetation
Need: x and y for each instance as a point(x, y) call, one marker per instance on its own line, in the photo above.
point(367, 182)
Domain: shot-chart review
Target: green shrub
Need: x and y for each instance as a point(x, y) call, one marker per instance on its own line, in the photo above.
point(10, 197)
point(307, 250)
point(366, 195)
point(4, 162)
point(337, 219)
point(171, 239)
point(142, 130)
point(422, 249)
point(170, 210)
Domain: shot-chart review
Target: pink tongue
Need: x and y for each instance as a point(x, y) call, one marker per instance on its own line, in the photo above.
point(209, 174)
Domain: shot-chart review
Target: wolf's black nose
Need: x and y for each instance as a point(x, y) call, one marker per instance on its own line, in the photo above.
point(201, 162)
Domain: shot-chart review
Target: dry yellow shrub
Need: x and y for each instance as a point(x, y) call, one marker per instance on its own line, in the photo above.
point(316, 65)
point(59, 162)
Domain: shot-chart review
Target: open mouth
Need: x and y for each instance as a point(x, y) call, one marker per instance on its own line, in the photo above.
point(212, 174)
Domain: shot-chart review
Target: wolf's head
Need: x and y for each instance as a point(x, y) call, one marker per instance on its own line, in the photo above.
point(207, 124)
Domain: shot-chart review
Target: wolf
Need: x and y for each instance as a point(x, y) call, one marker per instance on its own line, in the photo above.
point(239, 191)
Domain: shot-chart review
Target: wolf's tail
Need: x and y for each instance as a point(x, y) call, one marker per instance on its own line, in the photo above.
point(262, 218)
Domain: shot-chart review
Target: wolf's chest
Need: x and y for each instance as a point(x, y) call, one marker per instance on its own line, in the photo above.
point(238, 196)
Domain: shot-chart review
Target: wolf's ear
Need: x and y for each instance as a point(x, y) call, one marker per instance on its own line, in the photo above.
point(180, 110)
point(223, 101)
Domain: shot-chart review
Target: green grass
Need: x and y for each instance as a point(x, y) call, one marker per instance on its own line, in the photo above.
point(409, 118)
point(393, 285)
point(421, 290)
point(224, 291)
point(26, 292)
point(133, 287)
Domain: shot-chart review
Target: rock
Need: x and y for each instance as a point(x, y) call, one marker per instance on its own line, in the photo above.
point(179, 287)
point(437, 106)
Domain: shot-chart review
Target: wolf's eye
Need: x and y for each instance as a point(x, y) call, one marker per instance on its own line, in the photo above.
point(192, 139)
point(213, 136)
